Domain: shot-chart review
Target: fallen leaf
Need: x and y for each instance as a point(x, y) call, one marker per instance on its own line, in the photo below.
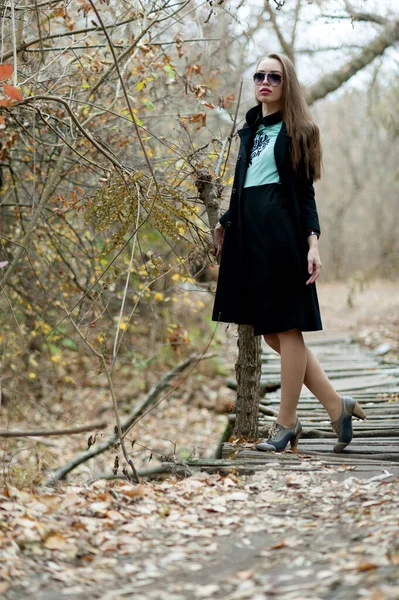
point(55, 541)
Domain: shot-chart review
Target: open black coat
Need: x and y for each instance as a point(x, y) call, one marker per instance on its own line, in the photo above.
point(232, 304)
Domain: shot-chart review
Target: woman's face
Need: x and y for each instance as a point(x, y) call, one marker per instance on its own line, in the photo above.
point(264, 91)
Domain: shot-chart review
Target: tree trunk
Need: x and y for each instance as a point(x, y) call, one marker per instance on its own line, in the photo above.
point(248, 369)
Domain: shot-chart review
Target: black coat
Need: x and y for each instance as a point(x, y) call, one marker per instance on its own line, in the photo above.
point(283, 303)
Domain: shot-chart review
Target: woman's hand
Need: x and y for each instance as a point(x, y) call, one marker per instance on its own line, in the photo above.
point(314, 263)
point(219, 235)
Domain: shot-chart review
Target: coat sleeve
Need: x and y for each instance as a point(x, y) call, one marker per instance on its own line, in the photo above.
point(224, 217)
point(307, 202)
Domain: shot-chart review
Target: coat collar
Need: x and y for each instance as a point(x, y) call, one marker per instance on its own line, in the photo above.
point(254, 117)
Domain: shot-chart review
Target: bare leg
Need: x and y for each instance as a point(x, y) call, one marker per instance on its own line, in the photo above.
point(315, 379)
point(293, 367)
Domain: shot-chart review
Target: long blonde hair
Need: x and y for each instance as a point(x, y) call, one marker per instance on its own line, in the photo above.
point(305, 134)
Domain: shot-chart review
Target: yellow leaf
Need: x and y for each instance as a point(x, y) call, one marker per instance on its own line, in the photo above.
point(55, 541)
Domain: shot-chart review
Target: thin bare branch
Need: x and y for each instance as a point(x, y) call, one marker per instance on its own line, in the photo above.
point(286, 47)
point(332, 81)
point(364, 16)
point(45, 432)
point(150, 399)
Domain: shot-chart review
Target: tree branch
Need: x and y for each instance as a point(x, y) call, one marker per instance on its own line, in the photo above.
point(332, 81)
point(287, 48)
point(70, 431)
point(365, 16)
point(150, 399)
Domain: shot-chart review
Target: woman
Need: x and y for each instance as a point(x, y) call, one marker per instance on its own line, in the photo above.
point(267, 242)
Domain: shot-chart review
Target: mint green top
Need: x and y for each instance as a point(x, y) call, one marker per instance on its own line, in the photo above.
point(262, 166)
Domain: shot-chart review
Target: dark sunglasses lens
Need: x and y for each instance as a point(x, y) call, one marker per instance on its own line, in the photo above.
point(274, 78)
point(259, 77)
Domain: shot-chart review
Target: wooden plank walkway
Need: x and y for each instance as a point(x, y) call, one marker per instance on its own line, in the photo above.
point(355, 371)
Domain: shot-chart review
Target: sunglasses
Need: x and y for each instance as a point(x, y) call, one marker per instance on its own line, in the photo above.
point(273, 79)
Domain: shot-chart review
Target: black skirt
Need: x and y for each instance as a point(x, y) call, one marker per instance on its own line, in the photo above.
point(275, 290)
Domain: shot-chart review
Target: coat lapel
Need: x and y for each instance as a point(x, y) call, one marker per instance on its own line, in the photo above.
point(281, 149)
point(281, 146)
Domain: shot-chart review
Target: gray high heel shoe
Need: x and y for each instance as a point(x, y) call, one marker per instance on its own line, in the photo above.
point(279, 437)
point(343, 425)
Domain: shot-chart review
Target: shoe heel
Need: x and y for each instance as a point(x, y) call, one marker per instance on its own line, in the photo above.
point(358, 411)
point(294, 442)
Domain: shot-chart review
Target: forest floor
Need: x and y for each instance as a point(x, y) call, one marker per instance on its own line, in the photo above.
point(297, 535)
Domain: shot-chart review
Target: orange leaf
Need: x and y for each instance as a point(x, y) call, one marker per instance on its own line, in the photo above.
point(6, 71)
point(4, 103)
point(2, 121)
point(278, 545)
point(13, 92)
point(366, 566)
point(60, 12)
point(197, 117)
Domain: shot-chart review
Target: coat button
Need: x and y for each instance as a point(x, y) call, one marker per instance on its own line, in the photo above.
point(228, 224)
point(234, 190)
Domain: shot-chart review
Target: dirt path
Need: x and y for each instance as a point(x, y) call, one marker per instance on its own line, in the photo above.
point(270, 535)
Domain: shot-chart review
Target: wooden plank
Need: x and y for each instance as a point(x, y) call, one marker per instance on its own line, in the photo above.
point(361, 367)
point(374, 413)
point(362, 397)
point(275, 372)
point(316, 416)
point(389, 386)
point(325, 426)
point(315, 407)
point(253, 455)
point(337, 363)
point(375, 395)
point(327, 338)
point(275, 369)
point(334, 361)
point(334, 376)
point(390, 418)
point(350, 384)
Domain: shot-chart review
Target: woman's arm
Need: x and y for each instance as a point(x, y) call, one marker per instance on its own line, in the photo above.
point(314, 262)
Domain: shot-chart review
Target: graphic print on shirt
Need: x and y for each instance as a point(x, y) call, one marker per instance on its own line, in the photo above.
point(260, 142)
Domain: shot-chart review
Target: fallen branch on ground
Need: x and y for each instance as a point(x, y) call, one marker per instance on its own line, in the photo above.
point(71, 431)
point(162, 469)
point(98, 449)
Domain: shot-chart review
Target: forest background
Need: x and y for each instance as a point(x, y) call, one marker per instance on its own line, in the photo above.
point(118, 142)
